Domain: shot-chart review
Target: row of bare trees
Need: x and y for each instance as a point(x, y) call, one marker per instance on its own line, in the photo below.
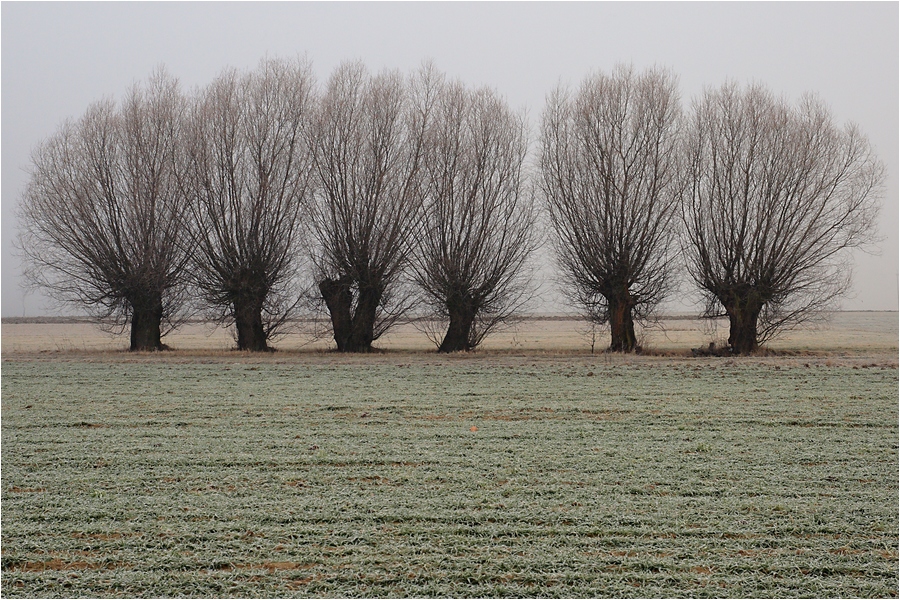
point(260, 196)
point(388, 188)
point(421, 180)
point(760, 201)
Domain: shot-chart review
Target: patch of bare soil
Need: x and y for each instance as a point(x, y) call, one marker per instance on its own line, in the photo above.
point(59, 564)
point(271, 567)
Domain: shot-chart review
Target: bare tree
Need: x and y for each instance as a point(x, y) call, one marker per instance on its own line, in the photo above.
point(776, 196)
point(102, 219)
point(609, 173)
point(248, 165)
point(478, 218)
point(369, 150)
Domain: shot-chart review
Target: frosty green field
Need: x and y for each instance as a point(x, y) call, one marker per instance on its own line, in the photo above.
point(414, 475)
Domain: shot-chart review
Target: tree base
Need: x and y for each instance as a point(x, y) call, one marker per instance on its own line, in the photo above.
point(621, 326)
point(146, 325)
point(353, 329)
point(350, 348)
point(160, 348)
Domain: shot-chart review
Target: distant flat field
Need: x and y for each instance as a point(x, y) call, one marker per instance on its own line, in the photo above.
point(846, 333)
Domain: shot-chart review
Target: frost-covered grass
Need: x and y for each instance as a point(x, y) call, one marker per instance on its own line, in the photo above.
point(455, 478)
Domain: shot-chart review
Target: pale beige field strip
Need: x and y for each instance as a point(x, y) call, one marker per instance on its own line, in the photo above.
point(857, 333)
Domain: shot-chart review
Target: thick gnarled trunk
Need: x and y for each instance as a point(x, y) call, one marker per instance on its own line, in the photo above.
point(146, 325)
point(251, 334)
point(354, 331)
point(621, 325)
point(338, 297)
point(743, 319)
point(459, 333)
point(362, 330)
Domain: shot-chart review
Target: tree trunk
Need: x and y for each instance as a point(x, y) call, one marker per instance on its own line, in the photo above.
point(338, 298)
point(362, 329)
point(743, 317)
point(459, 332)
point(248, 323)
point(354, 331)
point(146, 320)
point(621, 326)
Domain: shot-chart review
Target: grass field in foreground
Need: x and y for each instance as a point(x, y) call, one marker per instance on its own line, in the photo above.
point(448, 478)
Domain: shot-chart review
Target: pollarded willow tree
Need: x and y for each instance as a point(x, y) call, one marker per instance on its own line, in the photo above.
point(776, 196)
point(609, 166)
point(248, 164)
point(102, 219)
point(369, 153)
point(478, 218)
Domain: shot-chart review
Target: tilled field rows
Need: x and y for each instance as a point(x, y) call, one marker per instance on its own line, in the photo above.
point(464, 479)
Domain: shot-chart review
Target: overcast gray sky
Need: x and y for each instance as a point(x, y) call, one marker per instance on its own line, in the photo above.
point(57, 58)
